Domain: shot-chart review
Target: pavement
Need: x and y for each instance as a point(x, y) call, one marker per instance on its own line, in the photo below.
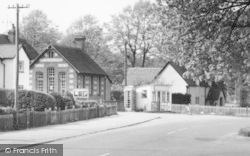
point(47, 134)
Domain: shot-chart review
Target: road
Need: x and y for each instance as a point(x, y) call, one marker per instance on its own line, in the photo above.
point(172, 134)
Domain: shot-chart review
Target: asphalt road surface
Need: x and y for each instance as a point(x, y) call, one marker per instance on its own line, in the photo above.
point(172, 134)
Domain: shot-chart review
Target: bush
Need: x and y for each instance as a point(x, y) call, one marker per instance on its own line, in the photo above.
point(178, 98)
point(68, 100)
point(59, 100)
point(27, 99)
point(245, 96)
point(6, 110)
point(117, 95)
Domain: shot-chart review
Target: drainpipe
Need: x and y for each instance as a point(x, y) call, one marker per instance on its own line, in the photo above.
point(3, 72)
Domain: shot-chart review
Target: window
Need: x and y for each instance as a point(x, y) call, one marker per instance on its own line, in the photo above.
point(91, 85)
point(39, 81)
point(62, 82)
point(51, 54)
point(168, 97)
point(197, 100)
point(51, 80)
point(144, 94)
point(163, 96)
point(100, 86)
point(128, 104)
point(21, 66)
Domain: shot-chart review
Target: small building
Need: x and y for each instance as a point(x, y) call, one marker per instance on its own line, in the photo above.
point(142, 94)
point(158, 85)
point(60, 69)
point(8, 61)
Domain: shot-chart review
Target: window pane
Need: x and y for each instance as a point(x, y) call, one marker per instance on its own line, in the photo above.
point(62, 82)
point(51, 79)
point(39, 81)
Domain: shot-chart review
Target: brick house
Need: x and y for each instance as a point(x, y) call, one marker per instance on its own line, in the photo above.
point(60, 69)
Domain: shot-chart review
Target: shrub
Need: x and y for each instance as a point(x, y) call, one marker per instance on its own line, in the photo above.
point(245, 96)
point(6, 97)
point(27, 99)
point(178, 98)
point(59, 100)
point(68, 100)
point(6, 110)
point(117, 95)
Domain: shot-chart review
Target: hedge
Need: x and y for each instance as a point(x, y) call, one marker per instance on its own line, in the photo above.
point(178, 98)
point(27, 99)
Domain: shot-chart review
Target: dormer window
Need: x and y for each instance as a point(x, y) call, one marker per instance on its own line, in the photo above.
point(51, 54)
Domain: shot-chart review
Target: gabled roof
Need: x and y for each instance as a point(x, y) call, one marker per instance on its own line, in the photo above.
point(30, 51)
point(181, 70)
point(7, 51)
point(139, 76)
point(79, 60)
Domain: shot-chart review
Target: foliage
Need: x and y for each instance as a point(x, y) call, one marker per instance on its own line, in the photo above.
point(59, 100)
point(117, 95)
point(6, 110)
point(68, 100)
point(27, 99)
point(135, 30)
point(245, 97)
point(38, 30)
point(178, 98)
point(213, 38)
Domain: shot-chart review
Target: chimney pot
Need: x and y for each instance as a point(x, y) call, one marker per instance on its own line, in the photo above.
point(11, 34)
point(80, 43)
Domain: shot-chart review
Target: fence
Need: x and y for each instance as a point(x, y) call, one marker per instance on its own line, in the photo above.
point(197, 109)
point(31, 119)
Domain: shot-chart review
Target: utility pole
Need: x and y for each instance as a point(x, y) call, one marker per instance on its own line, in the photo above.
point(17, 7)
point(125, 64)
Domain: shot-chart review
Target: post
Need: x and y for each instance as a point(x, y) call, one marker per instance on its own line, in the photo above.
point(125, 64)
point(17, 7)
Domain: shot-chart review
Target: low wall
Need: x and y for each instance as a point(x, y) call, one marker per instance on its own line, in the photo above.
point(31, 119)
point(197, 109)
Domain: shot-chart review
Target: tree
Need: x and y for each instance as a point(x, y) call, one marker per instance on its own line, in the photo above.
point(38, 30)
point(214, 37)
point(96, 45)
point(87, 26)
point(137, 27)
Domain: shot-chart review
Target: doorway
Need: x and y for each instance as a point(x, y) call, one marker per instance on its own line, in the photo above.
point(158, 100)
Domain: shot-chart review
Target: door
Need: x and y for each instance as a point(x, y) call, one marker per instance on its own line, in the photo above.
point(221, 101)
point(158, 100)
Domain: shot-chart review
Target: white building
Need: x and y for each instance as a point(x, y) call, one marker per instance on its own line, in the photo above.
point(159, 84)
point(8, 61)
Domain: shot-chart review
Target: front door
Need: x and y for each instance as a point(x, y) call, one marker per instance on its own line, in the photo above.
point(158, 100)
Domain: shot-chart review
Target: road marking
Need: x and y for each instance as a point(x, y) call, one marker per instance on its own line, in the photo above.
point(105, 154)
point(197, 126)
point(171, 132)
point(182, 129)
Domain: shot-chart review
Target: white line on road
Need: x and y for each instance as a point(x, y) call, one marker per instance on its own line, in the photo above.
point(106, 154)
point(171, 132)
point(197, 126)
point(182, 129)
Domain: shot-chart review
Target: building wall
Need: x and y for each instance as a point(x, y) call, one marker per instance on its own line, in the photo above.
point(1, 74)
point(24, 76)
point(73, 79)
point(198, 92)
point(171, 77)
point(10, 70)
point(59, 65)
point(143, 102)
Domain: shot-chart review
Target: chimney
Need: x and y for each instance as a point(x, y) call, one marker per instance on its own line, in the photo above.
point(80, 43)
point(11, 34)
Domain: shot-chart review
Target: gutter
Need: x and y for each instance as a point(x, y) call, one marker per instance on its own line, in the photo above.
point(3, 72)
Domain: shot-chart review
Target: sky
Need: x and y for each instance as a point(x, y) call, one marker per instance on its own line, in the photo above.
point(62, 12)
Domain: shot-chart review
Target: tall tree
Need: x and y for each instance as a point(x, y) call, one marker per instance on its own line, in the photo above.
point(38, 30)
point(214, 37)
point(95, 41)
point(137, 27)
